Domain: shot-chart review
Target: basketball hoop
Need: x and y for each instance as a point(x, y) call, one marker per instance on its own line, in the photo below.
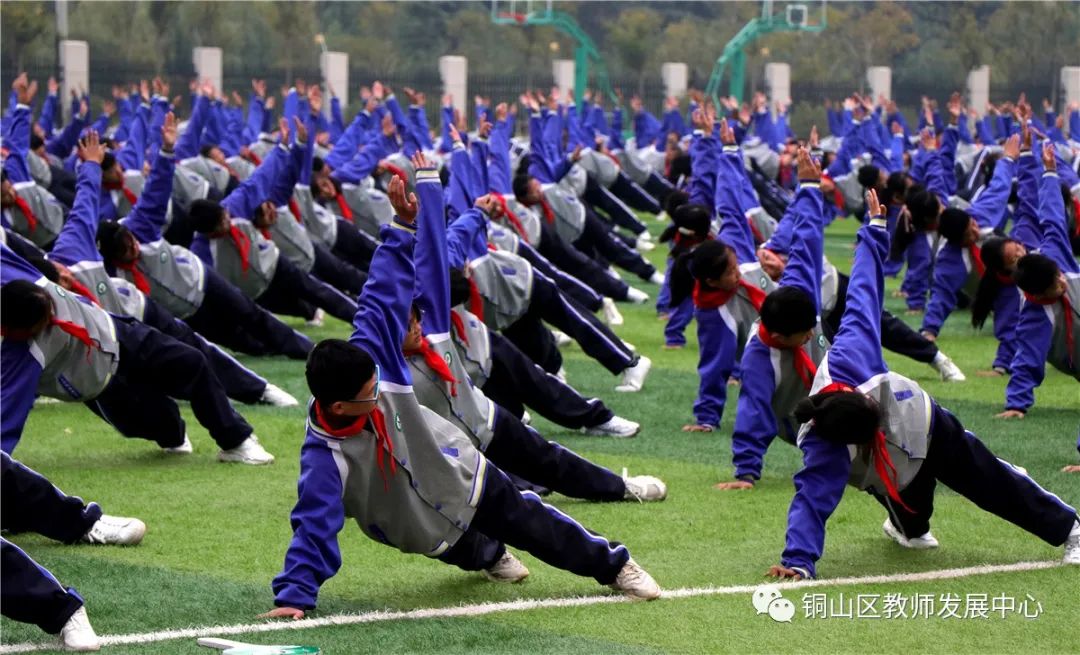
point(518, 18)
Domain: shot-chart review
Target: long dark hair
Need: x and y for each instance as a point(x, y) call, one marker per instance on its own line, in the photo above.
point(707, 261)
point(993, 256)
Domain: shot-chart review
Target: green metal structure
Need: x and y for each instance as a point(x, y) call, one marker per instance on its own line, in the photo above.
point(586, 55)
point(794, 19)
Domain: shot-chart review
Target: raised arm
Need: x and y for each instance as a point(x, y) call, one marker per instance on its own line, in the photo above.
point(1055, 235)
point(1025, 219)
point(431, 259)
point(384, 305)
point(188, 144)
point(147, 217)
point(77, 240)
point(734, 230)
point(805, 261)
point(991, 204)
point(855, 355)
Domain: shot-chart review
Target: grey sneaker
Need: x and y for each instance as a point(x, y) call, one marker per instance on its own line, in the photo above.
point(507, 569)
point(117, 530)
point(636, 582)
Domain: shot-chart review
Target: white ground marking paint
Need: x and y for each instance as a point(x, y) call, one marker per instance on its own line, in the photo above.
point(522, 605)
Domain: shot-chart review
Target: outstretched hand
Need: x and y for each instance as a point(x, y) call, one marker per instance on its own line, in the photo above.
point(283, 613)
point(90, 148)
point(873, 207)
point(782, 572)
point(807, 167)
point(1049, 157)
point(169, 132)
point(405, 207)
point(1012, 147)
point(301, 130)
point(420, 161)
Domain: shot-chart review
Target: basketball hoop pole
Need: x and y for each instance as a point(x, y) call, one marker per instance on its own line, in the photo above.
point(734, 53)
point(585, 53)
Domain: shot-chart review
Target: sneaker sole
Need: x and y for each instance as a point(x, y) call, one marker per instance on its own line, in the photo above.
point(225, 459)
point(505, 580)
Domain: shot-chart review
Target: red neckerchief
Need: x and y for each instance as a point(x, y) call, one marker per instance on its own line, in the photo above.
point(549, 215)
point(1070, 343)
point(435, 362)
point(137, 276)
point(612, 158)
point(976, 259)
point(758, 239)
point(242, 243)
point(383, 443)
point(120, 186)
point(1007, 280)
point(476, 301)
point(459, 327)
point(266, 233)
point(78, 332)
point(394, 170)
point(1076, 216)
point(294, 208)
point(346, 211)
point(682, 240)
point(837, 194)
point(80, 288)
point(712, 298)
point(253, 158)
point(24, 207)
point(515, 222)
point(804, 366)
point(883, 463)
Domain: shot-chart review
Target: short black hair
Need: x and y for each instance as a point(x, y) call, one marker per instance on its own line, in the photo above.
point(869, 176)
point(953, 224)
point(444, 175)
point(25, 304)
point(460, 290)
point(788, 310)
point(207, 149)
point(205, 215)
point(842, 417)
point(1036, 273)
point(36, 142)
point(337, 370)
point(710, 260)
point(696, 218)
point(674, 200)
point(521, 186)
point(923, 205)
point(895, 187)
point(317, 164)
point(111, 237)
point(108, 161)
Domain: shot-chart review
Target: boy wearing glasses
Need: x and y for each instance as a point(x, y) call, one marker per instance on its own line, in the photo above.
point(409, 478)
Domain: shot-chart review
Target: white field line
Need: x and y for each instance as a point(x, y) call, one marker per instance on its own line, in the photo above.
point(522, 605)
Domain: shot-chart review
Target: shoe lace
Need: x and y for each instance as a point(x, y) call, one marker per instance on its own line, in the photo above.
point(631, 487)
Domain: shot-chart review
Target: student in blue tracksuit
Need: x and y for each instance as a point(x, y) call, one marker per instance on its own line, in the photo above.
point(75, 249)
point(29, 592)
point(442, 382)
point(878, 431)
point(997, 291)
point(372, 453)
point(784, 352)
point(727, 281)
point(925, 205)
point(958, 260)
point(1050, 319)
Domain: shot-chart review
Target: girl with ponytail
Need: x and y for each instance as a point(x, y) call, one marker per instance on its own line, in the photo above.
point(880, 432)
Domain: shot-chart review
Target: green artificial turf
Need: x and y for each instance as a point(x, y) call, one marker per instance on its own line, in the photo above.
point(217, 533)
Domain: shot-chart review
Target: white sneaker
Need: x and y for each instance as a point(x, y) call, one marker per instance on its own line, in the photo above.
point(629, 346)
point(636, 296)
point(317, 320)
point(614, 273)
point(616, 426)
point(949, 371)
point(248, 452)
point(663, 217)
point(116, 530)
point(644, 243)
point(278, 397)
point(45, 400)
point(644, 488)
point(657, 278)
point(561, 374)
point(1072, 545)
point(612, 316)
point(78, 635)
point(562, 339)
point(183, 449)
point(635, 582)
point(507, 569)
point(526, 417)
point(634, 377)
point(925, 542)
